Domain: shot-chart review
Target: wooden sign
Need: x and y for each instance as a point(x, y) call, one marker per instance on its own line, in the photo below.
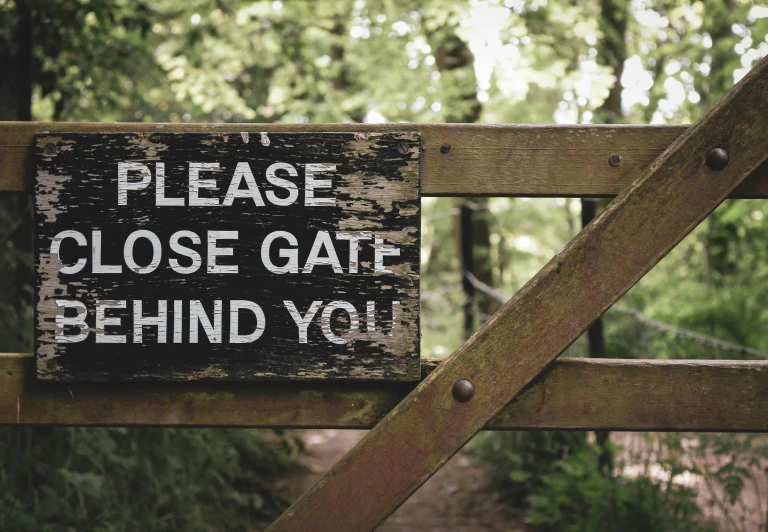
point(246, 256)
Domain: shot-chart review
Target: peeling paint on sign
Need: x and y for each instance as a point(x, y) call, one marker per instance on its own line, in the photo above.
point(192, 256)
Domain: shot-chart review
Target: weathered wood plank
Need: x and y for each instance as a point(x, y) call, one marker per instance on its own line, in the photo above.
point(588, 276)
point(579, 394)
point(484, 160)
point(298, 288)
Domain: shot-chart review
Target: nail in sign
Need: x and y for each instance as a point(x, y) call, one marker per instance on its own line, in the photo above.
point(231, 256)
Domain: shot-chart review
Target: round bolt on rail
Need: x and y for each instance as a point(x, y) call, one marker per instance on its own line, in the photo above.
point(463, 390)
point(717, 158)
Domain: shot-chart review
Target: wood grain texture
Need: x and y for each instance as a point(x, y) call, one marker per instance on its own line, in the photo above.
point(371, 192)
point(579, 394)
point(484, 160)
point(598, 266)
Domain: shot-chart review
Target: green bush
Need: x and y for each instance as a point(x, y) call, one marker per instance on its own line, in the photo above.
point(110, 479)
point(556, 478)
point(576, 497)
point(522, 458)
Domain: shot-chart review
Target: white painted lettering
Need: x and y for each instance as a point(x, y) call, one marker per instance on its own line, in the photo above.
point(102, 322)
point(178, 321)
point(380, 251)
point(354, 248)
point(185, 252)
point(322, 240)
point(302, 322)
point(214, 251)
point(160, 321)
point(243, 171)
point(292, 253)
point(325, 320)
point(78, 321)
point(370, 316)
point(234, 326)
point(290, 186)
point(123, 185)
point(157, 251)
point(195, 184)
point(98, 267)
point(160, 199)
point(310, 184)
point(198, 317)
point(56, 245)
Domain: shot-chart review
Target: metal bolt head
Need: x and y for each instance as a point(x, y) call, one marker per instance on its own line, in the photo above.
point(403, 148)
point(717, 158)
point(614, 160)
point(445, 148)
point(50, 149)
point(463, 390)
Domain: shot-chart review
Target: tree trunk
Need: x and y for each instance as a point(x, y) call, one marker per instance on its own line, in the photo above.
point(17, 273)
point(455, 62)
point(341, 80)
point(612, 53)
point(24, 64)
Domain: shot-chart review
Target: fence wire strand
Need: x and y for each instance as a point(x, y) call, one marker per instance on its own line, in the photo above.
point(639, 317)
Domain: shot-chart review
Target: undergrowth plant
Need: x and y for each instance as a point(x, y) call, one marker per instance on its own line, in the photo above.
point(575, 496)
point(732, 473)
point(115, 479)
point(556, 479)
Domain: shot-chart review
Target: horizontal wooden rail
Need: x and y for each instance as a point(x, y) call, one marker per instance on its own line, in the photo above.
point(483, 160)
point(572, 394)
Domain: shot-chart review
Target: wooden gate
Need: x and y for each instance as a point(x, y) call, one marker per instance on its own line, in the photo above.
point(506, 375)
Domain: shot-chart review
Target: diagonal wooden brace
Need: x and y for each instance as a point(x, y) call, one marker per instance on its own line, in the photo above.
point(671, 197)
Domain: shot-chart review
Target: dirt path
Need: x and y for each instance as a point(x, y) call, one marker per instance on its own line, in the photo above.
point(458, 498)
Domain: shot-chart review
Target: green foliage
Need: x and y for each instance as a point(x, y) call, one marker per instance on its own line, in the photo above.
point(522, 459)
point(732, 468)
point(524, 235)
point(715, 282)
point(556, 478)
point(16, 274)
point(531, 61)
point(575, 496)
point(111, 479)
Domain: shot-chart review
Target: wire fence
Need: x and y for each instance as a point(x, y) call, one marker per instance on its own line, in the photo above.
point(636, 328)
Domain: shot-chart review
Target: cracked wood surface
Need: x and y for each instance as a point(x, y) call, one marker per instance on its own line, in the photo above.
point(375, 186)
point(484, 160)
point(578, 394)
point(668, 199)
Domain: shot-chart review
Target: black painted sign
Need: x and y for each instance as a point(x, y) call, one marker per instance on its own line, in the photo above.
point(234, 256)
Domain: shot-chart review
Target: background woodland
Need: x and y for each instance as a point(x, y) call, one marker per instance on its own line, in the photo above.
point(476, 61)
